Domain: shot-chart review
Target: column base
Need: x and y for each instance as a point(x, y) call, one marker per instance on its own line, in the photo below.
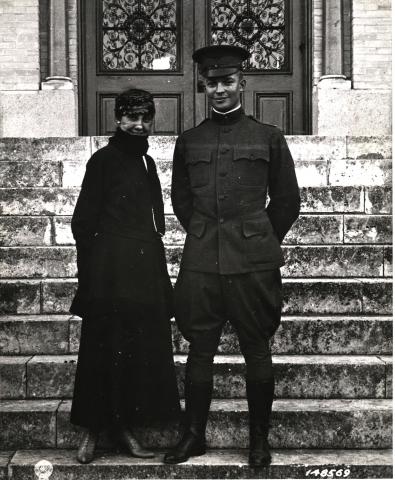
point(57, 83)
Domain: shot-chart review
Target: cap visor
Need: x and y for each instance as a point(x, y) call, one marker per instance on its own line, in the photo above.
point(220, 72)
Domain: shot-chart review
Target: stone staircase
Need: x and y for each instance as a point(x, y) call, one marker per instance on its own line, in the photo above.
point(332, 415)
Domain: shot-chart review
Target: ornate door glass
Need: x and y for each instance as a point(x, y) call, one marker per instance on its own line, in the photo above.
point(139, 36)
point(260, 26)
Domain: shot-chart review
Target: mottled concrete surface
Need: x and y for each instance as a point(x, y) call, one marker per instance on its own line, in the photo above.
point(360, 172)
point(367, 229)
point(51, 376)
point(5, 458)
point(316, 147)
point(378, 200)
point(296, 424)
point(28, 424)
point(311, 229)
point(15, 231)
point(57, 295)
point(331, 199)
point(377, 297)
point(38, 201)
point(215, 464)
point(388, 262)
point(13, 377)
point(34, 334)
point(63, 233)
point(18, 297)
point(34, 262)
point(28, 174)
point(45, 149)
point(369, 147)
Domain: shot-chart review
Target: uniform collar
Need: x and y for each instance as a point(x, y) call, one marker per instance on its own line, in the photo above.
point(227, 118)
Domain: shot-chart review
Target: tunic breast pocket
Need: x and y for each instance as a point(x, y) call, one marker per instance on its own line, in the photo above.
point(199, 168)
point(250, 166)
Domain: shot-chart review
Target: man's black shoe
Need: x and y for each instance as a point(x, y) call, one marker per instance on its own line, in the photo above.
point(189, 446)
point(259, 452)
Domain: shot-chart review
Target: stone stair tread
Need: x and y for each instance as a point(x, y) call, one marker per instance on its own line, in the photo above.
point(225, 405)
point(221, 359)
point(215, 464)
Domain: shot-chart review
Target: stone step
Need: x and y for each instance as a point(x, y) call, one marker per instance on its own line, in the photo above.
point(308, 229)
point(298, 423)
point(215, 464)
point(300, 296)
point(300, 261)
point(324, 199)
point(297, 376)
point(59, 334)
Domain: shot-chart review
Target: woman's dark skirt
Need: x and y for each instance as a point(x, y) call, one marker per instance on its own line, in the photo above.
point(125, 373)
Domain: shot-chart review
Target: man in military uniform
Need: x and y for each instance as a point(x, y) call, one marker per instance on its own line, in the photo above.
point(223, 170)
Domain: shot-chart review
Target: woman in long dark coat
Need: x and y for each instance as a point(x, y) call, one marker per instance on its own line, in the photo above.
point(125, 373)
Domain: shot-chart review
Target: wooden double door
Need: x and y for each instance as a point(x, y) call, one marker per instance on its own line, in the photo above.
point(149, 43)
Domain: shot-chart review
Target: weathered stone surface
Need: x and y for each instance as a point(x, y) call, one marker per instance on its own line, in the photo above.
point(98, 142)
point(315, 147)
point(377, 297)
point(378, 200)
point(73, 173)
point(167, 201)
point(63, 233)
point(215, 464)
point(38, 201)
point(331, 199)
point(367, 229)
point(13, 377)
point(30, 174)
point(322, 297)
point(5, 458)
point(310, 229)
point(310, 376)
point(16, 231)
point(75, 334)
point(51, 376)
point(296, 424)
point(28, 423)
point(19, 297)
point(315, 261)
point(175, 234)
point(388, 261)
point(312, 173)
point(370, 172)
point(333, 261)
point(388, 361)
point(162, 147)
point(57, 295)
point(369, 147)
point(33, 262)
point(45, 149)
point(34, 334)
point(164, 169)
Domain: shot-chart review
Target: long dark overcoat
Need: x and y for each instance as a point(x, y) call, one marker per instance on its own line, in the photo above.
point(125, 371)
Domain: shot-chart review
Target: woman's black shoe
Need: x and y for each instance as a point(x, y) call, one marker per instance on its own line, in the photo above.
point(189, 446)
point(134, 447)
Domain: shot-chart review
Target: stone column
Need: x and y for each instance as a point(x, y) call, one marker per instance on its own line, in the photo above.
point(333, 37)
point(58, 48)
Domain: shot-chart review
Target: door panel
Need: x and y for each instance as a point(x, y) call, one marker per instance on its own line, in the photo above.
point(149, 43)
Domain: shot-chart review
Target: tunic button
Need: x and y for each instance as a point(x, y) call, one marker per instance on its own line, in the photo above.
point(221, 220)
point(224, 150)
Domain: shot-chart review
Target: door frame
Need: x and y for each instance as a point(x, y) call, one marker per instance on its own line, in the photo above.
point(307, 67)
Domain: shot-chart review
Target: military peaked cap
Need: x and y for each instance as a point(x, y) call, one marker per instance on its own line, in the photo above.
point(220, 60)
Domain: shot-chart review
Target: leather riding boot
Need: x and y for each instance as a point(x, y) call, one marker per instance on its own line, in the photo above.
point(87, 447)
point(260, 399)
point(193, 441)
point(134, 447)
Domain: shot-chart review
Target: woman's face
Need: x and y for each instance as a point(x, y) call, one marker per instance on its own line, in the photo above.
point(137, 123)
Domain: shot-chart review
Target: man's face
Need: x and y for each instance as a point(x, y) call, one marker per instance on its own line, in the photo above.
point(224, 92)
point(137, 123)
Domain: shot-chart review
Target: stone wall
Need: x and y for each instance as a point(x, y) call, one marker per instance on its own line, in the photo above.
point(19, 40)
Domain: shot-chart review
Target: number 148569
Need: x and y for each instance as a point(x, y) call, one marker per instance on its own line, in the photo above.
point(328, 473)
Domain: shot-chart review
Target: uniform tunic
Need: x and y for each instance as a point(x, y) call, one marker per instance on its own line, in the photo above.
point(223, 172)
point(125, 373)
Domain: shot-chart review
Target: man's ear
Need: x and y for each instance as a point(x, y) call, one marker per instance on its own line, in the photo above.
point(243, 83)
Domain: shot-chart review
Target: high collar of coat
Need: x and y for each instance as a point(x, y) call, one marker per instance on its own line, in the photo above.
point(227, 118)
point(133, 145)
